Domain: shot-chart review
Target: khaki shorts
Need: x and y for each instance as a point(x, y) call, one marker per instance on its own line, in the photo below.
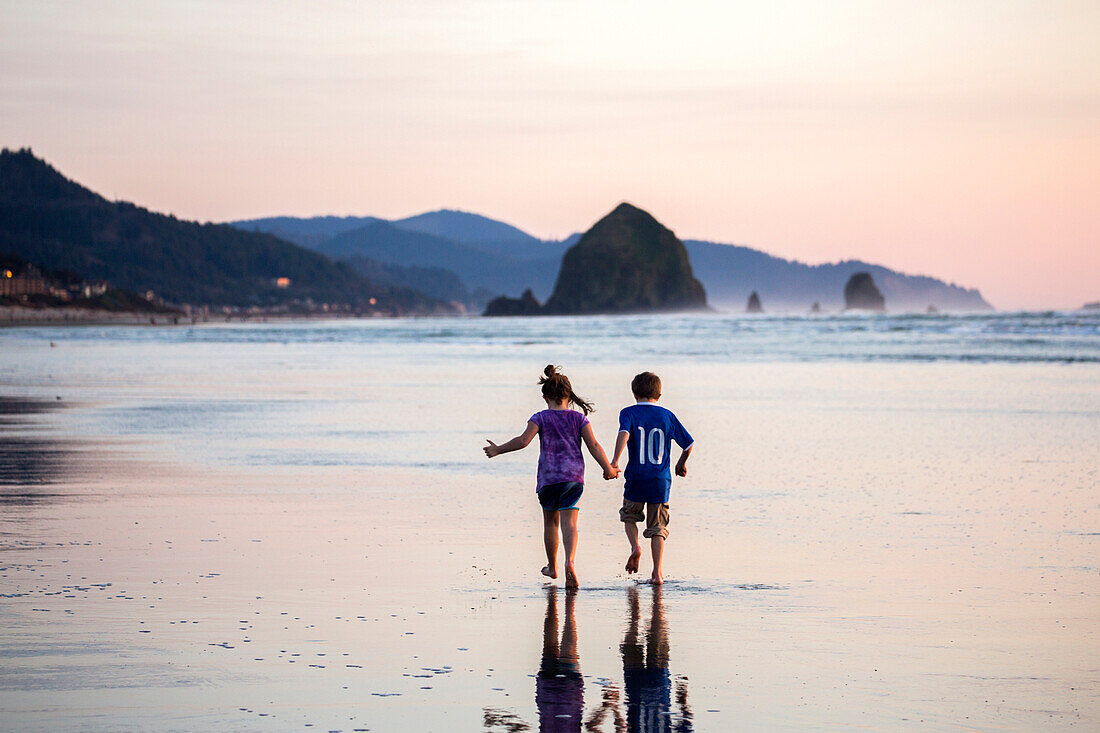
point(654, 515)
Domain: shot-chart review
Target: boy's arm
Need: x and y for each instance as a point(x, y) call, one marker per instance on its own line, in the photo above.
point(681, 465)
point(517, 443)
point(620, 445)
point(594, 447)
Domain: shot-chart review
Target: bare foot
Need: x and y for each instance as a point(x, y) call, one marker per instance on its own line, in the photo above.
point(633, 560)
point(656, 579)
point(570, 577)
point(549, 572)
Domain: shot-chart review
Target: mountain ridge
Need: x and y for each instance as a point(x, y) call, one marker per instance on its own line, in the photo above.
point(731, 272)
point(465, 227)
point(728, 272)
point(49, 219)
point(485, 269)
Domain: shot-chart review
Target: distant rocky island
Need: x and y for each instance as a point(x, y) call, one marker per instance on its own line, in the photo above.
point(860, 293)
point(628, 262)
point(525, 305)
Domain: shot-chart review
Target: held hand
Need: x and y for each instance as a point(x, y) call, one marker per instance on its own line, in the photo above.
point(491, 450)
point(611, 473)
point(681, 469)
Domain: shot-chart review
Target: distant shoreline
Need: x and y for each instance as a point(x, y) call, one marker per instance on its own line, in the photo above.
point(13, 316)
point(17, 316)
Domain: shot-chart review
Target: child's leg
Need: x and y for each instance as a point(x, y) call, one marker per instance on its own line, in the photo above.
point(656, 528)
point(569, 536)
point(657, 547)
point(635, 549)
point(550, 539)
point(630, 514)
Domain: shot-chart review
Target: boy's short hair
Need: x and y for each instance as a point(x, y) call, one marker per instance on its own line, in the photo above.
point(646, 386)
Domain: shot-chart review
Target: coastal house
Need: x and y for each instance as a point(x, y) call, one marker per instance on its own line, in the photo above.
point(93, 288)
point(25, 280)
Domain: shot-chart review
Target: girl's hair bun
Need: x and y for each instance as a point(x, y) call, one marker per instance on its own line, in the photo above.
point(556, 387)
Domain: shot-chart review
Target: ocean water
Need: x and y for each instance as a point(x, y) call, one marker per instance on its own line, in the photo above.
point(889, 522)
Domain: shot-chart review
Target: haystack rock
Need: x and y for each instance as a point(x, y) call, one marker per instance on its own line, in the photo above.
point(754, 304)
point(525, 305)
point(626, 263)
point(861, 294)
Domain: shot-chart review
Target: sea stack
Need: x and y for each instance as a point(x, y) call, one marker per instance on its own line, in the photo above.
point(525, 305)
point(861, 294)
point(754, 304)
point(626, 263)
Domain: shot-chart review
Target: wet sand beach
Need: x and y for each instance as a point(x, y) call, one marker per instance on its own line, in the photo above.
point(292, 527)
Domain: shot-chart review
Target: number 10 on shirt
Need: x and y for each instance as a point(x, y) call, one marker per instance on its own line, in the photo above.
point(651, 447)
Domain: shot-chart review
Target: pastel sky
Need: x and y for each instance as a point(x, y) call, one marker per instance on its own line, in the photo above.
point(957, 139)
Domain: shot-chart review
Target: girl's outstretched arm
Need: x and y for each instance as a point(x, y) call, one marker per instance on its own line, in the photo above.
point(597, 452)
point(517, 443)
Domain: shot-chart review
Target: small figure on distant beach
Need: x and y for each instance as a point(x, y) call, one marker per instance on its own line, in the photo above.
point(647, 430)
point(561, 465)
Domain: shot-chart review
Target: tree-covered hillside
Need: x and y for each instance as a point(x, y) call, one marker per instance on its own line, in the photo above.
point(48, 219)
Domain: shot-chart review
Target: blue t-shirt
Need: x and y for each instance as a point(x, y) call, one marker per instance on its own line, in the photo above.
point(652, 429)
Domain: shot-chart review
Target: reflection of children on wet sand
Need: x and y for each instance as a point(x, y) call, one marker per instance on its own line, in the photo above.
point(646, 676)
point(559, 687)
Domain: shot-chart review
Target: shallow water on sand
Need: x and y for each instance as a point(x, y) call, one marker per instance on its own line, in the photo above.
point(292, 527)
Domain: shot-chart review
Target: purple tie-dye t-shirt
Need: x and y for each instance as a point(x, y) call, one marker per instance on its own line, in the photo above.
point(560, 446)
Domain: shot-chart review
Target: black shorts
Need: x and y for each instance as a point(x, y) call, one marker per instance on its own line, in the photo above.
point(556, 497)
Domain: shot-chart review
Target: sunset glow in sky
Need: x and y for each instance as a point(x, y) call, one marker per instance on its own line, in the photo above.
point(956, 139)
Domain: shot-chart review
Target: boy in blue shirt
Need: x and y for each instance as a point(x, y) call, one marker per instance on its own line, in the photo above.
point(648, 430)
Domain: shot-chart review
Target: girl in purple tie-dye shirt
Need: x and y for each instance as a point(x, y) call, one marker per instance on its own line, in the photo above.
point(561, 465)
